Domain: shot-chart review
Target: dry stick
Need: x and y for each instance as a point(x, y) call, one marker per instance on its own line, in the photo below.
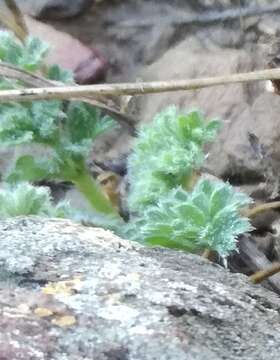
point(258, 209)
point(17, 23)
point(261, 275)
point(68, 92)
point(207, 253)
point(30, 79)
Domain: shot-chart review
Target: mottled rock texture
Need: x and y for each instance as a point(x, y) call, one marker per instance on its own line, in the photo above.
point(87, 63)
point(53, 9)
point(74, 292)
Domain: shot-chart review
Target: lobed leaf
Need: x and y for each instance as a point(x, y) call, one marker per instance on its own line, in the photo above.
point(25, 199)
point(166, 153)
point(207, 217)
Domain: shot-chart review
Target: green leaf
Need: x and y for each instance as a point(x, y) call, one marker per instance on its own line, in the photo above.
point(86, 122)
point(29, 169)
point(34, 53)
point(56, 73)
point(10, 48)
point(24, 199)
point(45, 118)
point(207, 217)
point(28, 56)
point(166, 154)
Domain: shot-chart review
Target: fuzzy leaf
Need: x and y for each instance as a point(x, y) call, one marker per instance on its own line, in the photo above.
point(28, 56)
point(85, 122)
point(166, 153)
point(56, 73)
point(207, 217)
point(24, 199)
point(29, 169)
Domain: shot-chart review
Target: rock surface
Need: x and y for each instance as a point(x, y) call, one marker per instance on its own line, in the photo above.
point(53, 9)
point(73, 292)
point(86, 63)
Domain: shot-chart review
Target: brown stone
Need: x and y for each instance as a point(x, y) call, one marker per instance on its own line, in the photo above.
point(87, 64)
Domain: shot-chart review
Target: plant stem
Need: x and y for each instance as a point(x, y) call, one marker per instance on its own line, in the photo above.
point(17, 24)
point(206, 254)
point(258, 209)
point(93, 193)
point(261, 275)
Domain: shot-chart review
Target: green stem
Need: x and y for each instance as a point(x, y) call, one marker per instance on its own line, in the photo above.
point(189, 181)
point(93, 193)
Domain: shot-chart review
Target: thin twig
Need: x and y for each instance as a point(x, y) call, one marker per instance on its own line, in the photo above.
point(261, 275)
point(139, 88)
point(30, 79)
point(207, 253)
point(12, 72)
point(258, 209)
point(16, 22)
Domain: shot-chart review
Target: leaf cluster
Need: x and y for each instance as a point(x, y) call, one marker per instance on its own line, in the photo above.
point(170, 207)
point(25, 199)
point(68, 130)
point(206, 217)
point(166, 154)
point(167, 207)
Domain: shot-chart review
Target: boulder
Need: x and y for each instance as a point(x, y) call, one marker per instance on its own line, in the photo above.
point(88, 65)
point(53, 9)
point(74, 292)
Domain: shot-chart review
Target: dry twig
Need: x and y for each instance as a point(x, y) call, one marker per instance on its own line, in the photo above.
point(258, 209)
point(139, 88)
point(12, 72)
point(262, 275)
point(15, 21)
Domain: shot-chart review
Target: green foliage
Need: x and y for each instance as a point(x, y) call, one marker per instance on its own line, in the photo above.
point(206, 217)
point(28, 56)
point(67, 131)
point(170, 211)
point(166, 154)
point(167, 209)
point(25, 199)
point(56, 73)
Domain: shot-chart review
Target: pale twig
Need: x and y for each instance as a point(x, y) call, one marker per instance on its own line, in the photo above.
point(16, 21)
point(139, 88)
point(259, 209)
point(262, 275)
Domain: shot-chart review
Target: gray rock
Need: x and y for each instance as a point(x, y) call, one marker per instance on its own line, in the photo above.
point(123, 301)
point(53, 9)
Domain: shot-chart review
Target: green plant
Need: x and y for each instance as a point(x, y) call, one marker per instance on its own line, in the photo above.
point(25, 199)
point(167, 154)
point(205, 218)
point(169, 207)
point(66, 131)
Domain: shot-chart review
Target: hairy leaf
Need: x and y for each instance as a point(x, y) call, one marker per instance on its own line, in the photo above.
point(25, 199)
point(28, 56)
point(29, 169)
point(207, 217)
point(166, 153)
